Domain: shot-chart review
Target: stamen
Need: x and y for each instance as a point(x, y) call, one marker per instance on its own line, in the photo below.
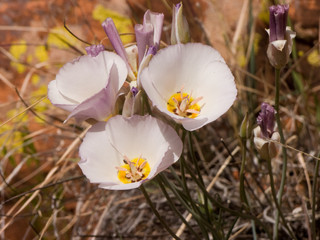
point(195, 101)
point(182, 104)
point(121, 169)
point(192, 111)
point(133, 170)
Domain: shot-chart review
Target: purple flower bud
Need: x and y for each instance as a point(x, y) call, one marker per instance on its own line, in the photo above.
point(144, 37)
point(266, 120)
point(278, 22)
point(148, 33)
point(113, 35)
point(152, 50)
point(134, 91)
point(94, 50)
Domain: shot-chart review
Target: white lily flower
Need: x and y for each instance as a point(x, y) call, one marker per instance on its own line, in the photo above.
point(88, 86)
point(191, 83)
point(125, 152)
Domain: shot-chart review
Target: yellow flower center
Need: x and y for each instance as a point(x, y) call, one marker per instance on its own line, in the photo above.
point(133, 170)
point(182, 104)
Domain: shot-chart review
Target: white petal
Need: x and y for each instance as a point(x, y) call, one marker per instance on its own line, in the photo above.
point(98, 157)
point(193, 124)
point(101, 105)
point(132, 54)
point(86, 75)
point(289, 36)
point(217, 89)
point(57, 99)
point(114, 186)
point(268, 31)
point(279, 44)
point(136, 139)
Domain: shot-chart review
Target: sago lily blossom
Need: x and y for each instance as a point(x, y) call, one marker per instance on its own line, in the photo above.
point(125, 152)
point(88, 86)
point(191, 83)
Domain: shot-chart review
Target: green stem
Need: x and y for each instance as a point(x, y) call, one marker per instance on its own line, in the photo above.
point(314, 192)
point(231, 211)
point(284, 153)
point(273, 191)
point(201, 222)
point(155, 211)
point(195, 163)
point(186, 189)
point(173, 207)
point(194, 160)
point(243, 196)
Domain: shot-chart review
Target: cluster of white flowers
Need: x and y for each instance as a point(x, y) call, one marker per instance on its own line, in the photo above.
point(187, 82)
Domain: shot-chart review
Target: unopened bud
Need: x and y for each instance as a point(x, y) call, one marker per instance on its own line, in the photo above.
point(244, 127)
point(280, 36)
point(180, 29)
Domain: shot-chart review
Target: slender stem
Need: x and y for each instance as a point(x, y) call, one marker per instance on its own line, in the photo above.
point(185, 186)
point(191, 151)
point(231, 211)
point(284, 153)
point(195, 163)
point(186, 189)
point(173, 207)
point(201, 222)
point(273, 191)
point(155, 211)
point(243, 196)
point(314, 192)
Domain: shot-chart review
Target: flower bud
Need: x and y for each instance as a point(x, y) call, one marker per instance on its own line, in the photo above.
point(244, 127)
point(265, 132)
point(113, 35)
point(280, 36)
point(133, 101)
point(149, 33)
point(266, 119)
point(180, 29)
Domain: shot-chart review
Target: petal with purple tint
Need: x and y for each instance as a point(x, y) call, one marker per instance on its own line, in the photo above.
point(278, 21)
point(88, 86)
point(94, 50)
point(144, 37)
point(113, 35)
point(156, 20)
point(266, 119)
